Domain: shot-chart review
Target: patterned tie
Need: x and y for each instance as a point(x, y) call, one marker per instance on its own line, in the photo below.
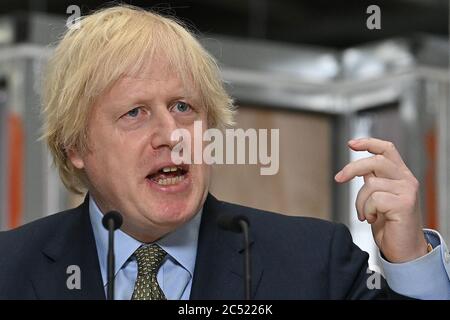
point(149, 259)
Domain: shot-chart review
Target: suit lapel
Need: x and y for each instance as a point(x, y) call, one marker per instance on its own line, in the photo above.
point(71, 253)
point(219, 269)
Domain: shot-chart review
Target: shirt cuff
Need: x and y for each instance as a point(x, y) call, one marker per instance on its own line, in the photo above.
point(427, 277)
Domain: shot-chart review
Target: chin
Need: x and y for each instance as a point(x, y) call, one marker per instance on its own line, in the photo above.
point(174, 213)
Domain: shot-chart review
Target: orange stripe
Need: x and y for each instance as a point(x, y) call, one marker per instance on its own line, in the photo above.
point(15, 167)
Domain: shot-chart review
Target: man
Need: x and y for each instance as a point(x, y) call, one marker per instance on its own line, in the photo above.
point(117, 87)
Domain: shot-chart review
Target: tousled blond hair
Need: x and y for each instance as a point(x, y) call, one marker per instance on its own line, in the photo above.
point(100, 50)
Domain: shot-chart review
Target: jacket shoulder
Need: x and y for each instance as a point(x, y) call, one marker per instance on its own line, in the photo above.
point(315, 255)
point(280, 226)
point(37, 232)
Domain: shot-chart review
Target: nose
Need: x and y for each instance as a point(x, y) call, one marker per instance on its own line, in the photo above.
point(163, 126)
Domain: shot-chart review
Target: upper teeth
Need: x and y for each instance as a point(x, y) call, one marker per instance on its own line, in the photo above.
point(169, 169)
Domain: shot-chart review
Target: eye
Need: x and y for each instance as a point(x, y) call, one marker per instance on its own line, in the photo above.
point(181, 106)
point(133, 113)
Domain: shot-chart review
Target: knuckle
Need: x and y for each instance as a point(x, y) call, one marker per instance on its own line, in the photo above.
point(405, 171)
point(370, 182)
point(378, 158)
point(415, 184)
point(390, 145)
point(375, 197)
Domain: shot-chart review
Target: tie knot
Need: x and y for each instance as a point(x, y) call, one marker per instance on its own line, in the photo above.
point(149, 258)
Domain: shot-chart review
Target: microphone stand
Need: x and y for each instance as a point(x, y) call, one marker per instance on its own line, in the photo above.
point(247, 261)
point(111, 260)
point(111, 221)
point(240, 224)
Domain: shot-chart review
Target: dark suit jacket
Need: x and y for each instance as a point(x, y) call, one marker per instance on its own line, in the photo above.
point(292, 258)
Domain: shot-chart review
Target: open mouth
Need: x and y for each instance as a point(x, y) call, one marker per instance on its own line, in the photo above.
point(170, 175)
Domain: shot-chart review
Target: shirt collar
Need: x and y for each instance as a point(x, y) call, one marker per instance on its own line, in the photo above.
point(180, 245)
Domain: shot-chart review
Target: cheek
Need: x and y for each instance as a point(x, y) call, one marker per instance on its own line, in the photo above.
point(206, 171)
point(116, 154)
point(206, 174)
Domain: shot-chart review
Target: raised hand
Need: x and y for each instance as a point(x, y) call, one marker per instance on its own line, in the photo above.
point(388, 199)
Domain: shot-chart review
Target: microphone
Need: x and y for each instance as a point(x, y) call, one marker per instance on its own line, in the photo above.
point(240, 224)
point(111, 221)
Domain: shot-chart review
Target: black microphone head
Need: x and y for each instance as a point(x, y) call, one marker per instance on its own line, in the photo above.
point(231, 222)
point(116, 218)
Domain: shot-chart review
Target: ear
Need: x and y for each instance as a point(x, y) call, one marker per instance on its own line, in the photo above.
point(75, 158)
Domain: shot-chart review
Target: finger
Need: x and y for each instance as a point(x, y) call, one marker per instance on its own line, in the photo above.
point(377, 146)
point(378, 204)
point(369, 211)
point(374, 184)
point(379, 165)
point(367, 176)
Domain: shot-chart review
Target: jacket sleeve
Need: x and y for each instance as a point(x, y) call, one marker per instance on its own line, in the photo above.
point(349, 273)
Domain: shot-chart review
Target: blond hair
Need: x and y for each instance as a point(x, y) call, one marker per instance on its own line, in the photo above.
point(104, 47)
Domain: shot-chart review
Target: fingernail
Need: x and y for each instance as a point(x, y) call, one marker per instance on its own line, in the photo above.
point(338, 176)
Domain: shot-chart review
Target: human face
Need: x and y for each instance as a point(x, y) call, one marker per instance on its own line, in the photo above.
point(129, 145)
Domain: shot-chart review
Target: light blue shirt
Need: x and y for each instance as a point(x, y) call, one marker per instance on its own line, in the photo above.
point(176, 272)
point(425, 278)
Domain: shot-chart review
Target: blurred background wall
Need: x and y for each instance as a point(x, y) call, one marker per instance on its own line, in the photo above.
point(312, 69)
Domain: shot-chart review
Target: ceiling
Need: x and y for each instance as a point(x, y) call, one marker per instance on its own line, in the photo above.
point(337, 24)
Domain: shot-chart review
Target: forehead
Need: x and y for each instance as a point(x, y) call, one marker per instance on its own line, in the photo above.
point(156, 76)
point(159, 71)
